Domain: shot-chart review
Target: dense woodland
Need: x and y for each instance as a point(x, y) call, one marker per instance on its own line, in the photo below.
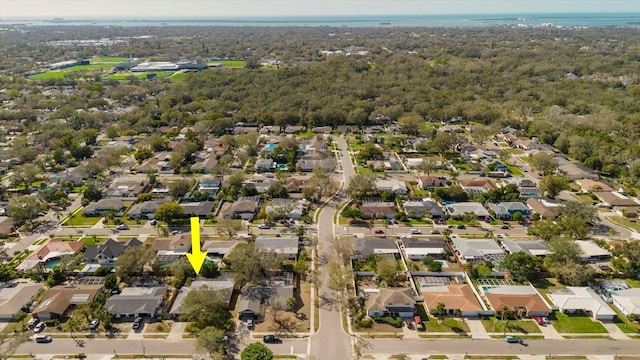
point(577, 89)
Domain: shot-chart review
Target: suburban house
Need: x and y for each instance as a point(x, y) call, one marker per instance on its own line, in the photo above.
point(253, 297)
point(136, 301)
point(529, 247)
point(627, 300)
point(476, 187)
point(457, 299)
point(506, 210)
point(288, 208)
point(519, 300)
point(461, 208)
point(581, 300)
point(588, 185)
point(205, 162)
point(574, 171)
point(210, 185)
point(127, 188)
point(222, 288)
point(59, 301)
point(296, 183)
point(144, 210)
point(157, 164)
point(264, 165)
point(217, 249)
point(49, 253)
point(179, 242)
point(543, 207)
point(106, 253)
point(294, 129)
point(17, 295)
point(428, 182)
point(390, 185)
point(6, 226)
point(418, 208)
point(419, 249)
point(526, 187)
point(378, 210)
point(201, 209)
point(260, 182)
point(476, 251)
point(307, 165)
point(285, 246)
point(102, 206)
point(244, 208)
point(390, 302)
point(364, 247)
point(592, 252)
point(615, 199)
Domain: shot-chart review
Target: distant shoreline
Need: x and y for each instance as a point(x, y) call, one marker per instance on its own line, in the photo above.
point(590, 20)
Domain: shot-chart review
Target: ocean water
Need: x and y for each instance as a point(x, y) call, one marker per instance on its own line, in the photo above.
point(592, 20)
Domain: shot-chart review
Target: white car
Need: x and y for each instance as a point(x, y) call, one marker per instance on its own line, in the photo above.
point(416, 231)
point(264, 226)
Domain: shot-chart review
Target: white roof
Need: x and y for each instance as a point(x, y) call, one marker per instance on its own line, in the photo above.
point(627, 300)
point(423, 251)
point(590, 248)
point(580, 298)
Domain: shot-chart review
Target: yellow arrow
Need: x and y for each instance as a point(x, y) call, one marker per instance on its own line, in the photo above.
point(196, 258)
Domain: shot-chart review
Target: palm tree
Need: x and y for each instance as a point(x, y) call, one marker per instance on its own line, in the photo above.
point(440, 308)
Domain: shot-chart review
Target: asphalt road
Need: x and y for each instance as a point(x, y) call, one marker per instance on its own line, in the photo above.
point(330, 341)
point(109, 346)
point(496, 347)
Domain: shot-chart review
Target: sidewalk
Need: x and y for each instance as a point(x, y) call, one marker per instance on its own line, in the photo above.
point(614, 331)
point(177, 329)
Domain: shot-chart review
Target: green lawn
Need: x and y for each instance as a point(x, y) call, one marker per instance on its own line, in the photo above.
point(61, 73)
point(627, 326)
point(625, 222)
point(80, 220)
point(633, 283)
point(576, 324)
point(514, 170)
point(512, 326)
point(109, 60)
point(230, 63)
point(448, 324)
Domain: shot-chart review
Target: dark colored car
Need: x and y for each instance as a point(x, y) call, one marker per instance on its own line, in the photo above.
point(504, 227)
point(137, 323)
point(270, 339)
point(379, 231)
point(461, 227)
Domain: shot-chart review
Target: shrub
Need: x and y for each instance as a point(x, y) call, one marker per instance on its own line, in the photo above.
point(395, 322)
point(365, 323)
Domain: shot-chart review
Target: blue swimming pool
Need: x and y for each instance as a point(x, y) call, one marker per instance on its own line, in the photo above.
point(269, 146)
point(50, 265)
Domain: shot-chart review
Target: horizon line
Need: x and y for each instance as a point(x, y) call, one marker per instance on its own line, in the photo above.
point(212, 17)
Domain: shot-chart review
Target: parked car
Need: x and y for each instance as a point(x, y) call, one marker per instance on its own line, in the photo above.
point(264, 226)
point(122, 227)
point(416, 231)
point(379, 231)
point(44, 339)
point(250, 324)
point(270, 339)
point(461, 227)
point(538, 320)
point(39, 327)
point(435, 231)
point(154, 222)
point(137, 323)
point(94, 324)
point(545, 320)
point(33, 322)
point(512, 339)
point(505, 226)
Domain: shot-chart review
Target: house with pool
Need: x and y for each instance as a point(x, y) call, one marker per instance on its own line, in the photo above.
point(50, 254)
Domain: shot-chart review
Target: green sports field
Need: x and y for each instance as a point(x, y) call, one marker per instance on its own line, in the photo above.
point(109, 60)
point(61, 73)
point(230, 63)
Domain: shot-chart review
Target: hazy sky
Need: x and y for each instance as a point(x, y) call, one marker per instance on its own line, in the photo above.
point(222, 8)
